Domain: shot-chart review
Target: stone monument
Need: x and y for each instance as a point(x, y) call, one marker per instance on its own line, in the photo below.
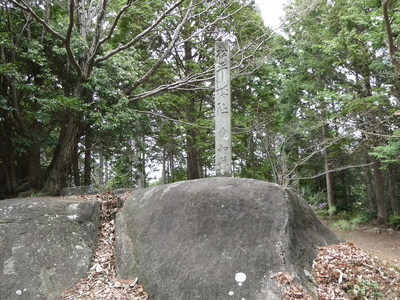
point(223, 141)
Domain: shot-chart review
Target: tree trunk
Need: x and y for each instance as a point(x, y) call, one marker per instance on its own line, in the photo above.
point(171, 168)
point(192, 156)
point(101, 168)
point(368, 183)
point(142, 172)
point(380, 194)
point(64, 157)
point(75, 167)
point(164, 167)
point(87, 176)
point(392, 189)
point(106, 173)
point(11, 178)
point(392, 44)
point(328, 176)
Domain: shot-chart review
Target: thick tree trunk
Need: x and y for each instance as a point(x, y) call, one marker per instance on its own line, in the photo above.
point(192, 156)
point(380, 193)
point(11, 177)
point(64, 157)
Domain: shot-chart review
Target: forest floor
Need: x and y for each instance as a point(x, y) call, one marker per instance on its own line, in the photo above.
point(380, 242)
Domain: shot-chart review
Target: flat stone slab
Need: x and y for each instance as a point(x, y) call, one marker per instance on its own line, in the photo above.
point(46, 245)
point(217, 238)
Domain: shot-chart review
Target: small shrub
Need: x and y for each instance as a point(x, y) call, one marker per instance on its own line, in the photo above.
point(343, 225)
point(394, 220)
point(366, 290)
point(370, 215)
point(346, 222)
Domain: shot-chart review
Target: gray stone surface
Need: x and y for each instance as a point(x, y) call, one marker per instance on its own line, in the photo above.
point(80, 190)
point(46, 245)
point(122, 191)
point(192, 239)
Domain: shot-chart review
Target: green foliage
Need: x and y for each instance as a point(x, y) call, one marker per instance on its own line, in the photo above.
point(342, 224)
point(364, 289)
point(394, 220)
point(347, 221)
point(390, 153)
point(329, 71)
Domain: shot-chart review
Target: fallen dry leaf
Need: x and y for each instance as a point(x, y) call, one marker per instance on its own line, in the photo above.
point(101, 281)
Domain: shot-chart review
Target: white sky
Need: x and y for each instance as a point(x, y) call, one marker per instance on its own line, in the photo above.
point(271, 11)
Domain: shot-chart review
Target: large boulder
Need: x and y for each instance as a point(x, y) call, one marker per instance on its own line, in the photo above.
point(46, 245)
point(217, 238)
point(80, 190)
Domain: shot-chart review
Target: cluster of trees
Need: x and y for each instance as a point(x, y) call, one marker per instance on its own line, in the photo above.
point(114, 92)
point(75, 76)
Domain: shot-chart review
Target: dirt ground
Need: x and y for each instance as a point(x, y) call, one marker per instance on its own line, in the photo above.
point(383, 243)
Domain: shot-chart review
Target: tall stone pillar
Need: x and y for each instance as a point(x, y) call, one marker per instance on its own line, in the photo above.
point(223, 139)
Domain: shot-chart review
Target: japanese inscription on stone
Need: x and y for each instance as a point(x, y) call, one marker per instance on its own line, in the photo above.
point(223, 141)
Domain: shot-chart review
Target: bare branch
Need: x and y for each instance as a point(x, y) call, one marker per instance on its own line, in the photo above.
point(67, 41)
point(171, 119)
point(96, 43)
point(24, 6)
point(167, 51)
point(319, 148)
point(223, 17)
point(141, 35)
point(191, 79)
point(365, 131)
point(330, 171)
point(116, 20)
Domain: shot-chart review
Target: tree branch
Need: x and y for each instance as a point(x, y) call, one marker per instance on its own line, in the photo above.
point(67, 41)
point(141, 35)
point(24, 6)
point(116, 20)
point(172, 43)
point(171, 119)
point(191, 79)
point(330, 171)
point(389, 33)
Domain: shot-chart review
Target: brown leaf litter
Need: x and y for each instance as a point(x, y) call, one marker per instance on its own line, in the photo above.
point(345, 272)
point(101, 280)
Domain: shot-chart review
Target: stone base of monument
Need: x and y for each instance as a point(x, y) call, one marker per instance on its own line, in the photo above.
point(46, 245)
point(217, 238)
